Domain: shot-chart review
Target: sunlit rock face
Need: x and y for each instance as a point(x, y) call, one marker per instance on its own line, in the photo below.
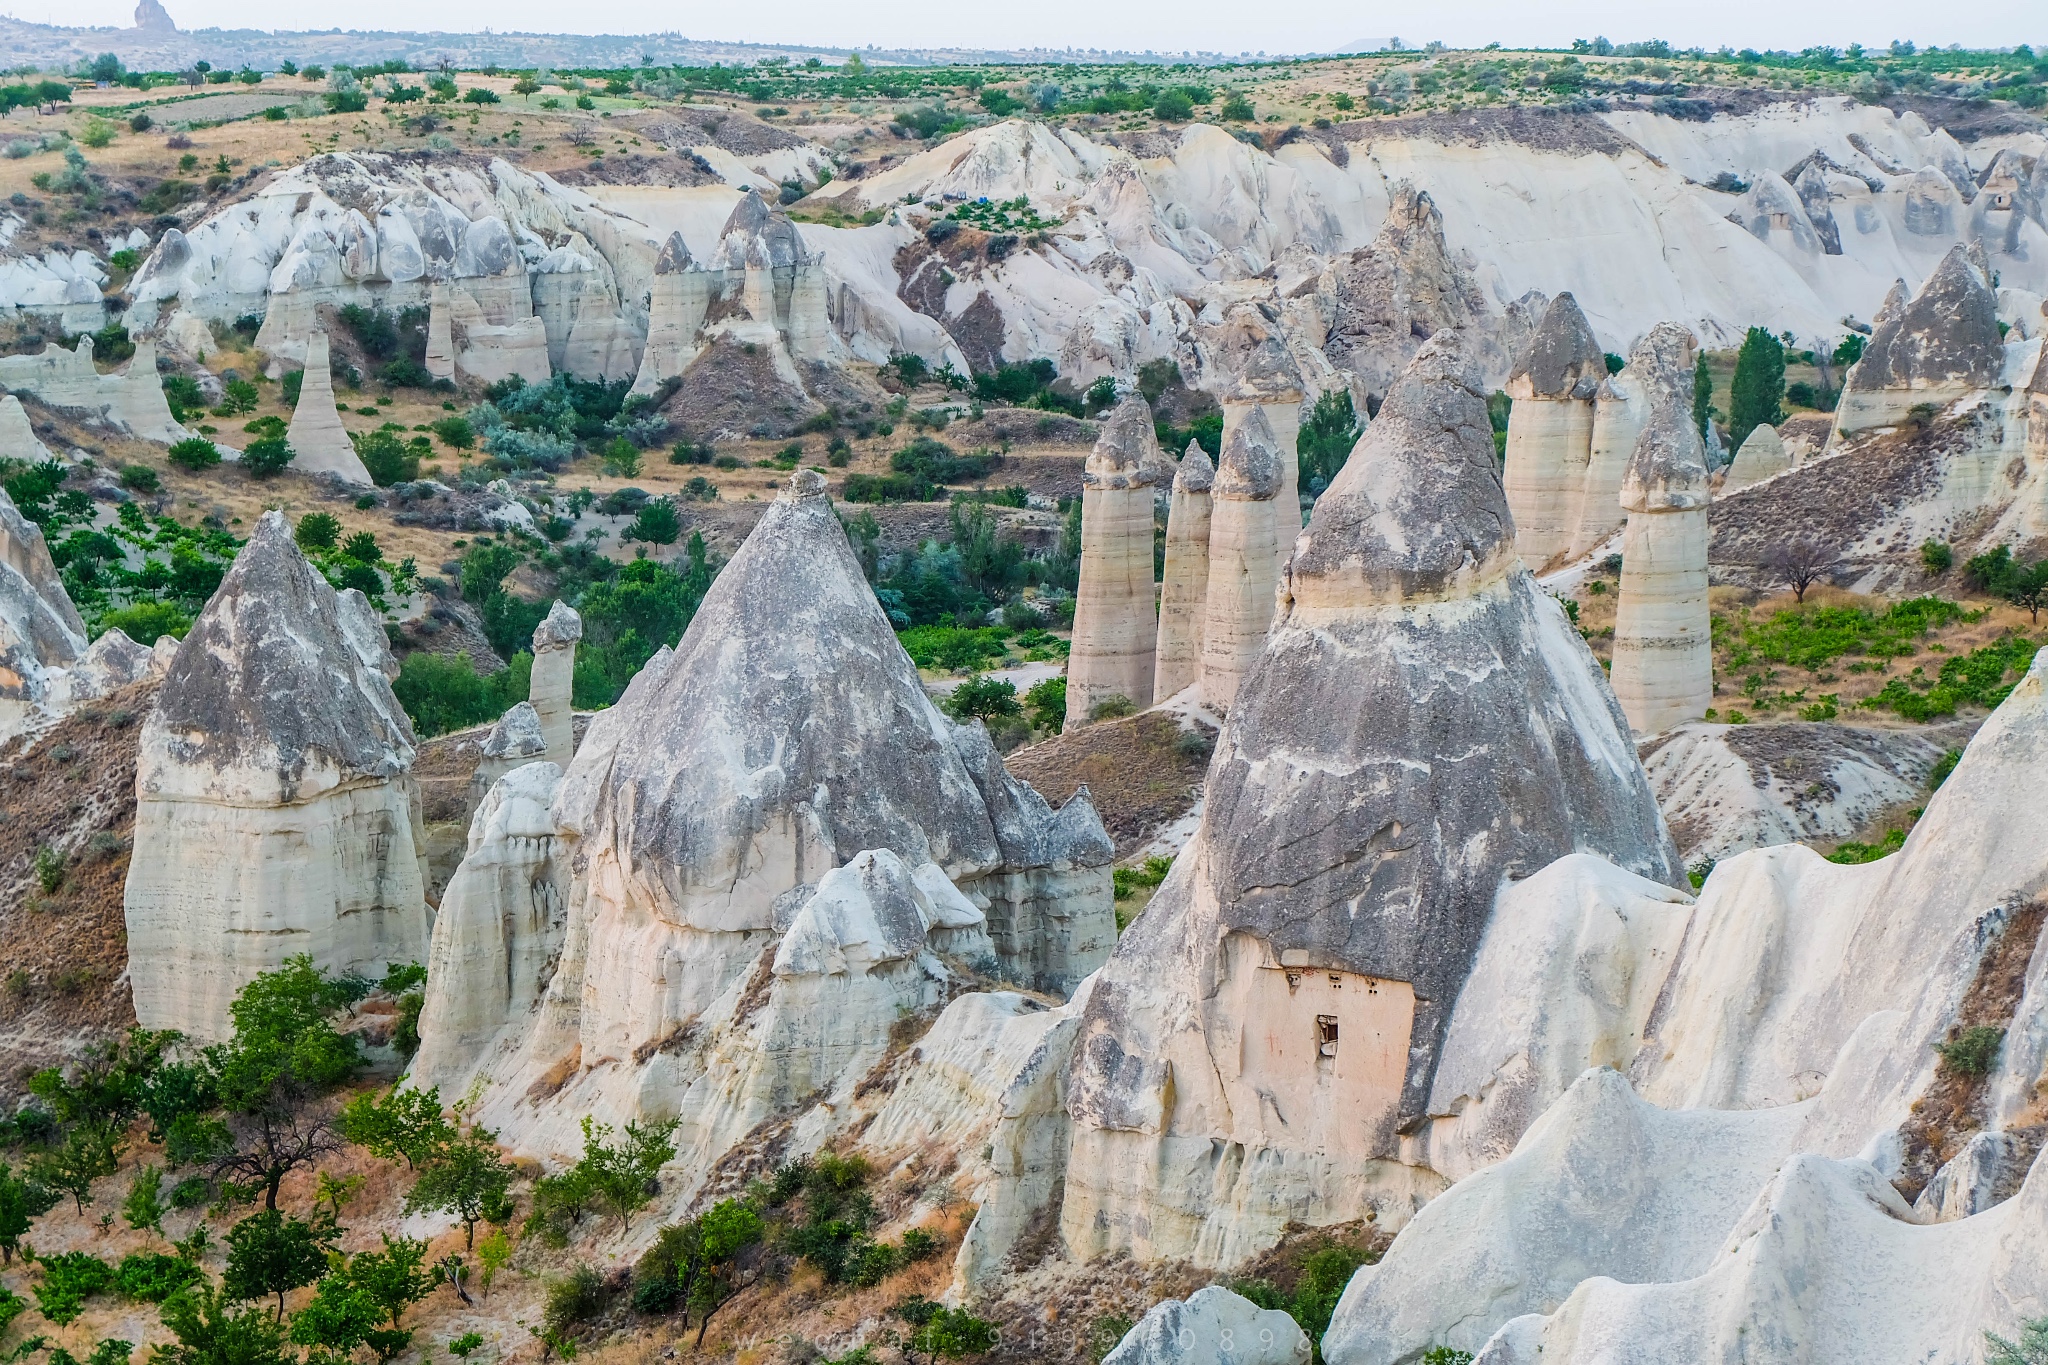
point(1116, 618)
point(1550, 430)
point(274, 788)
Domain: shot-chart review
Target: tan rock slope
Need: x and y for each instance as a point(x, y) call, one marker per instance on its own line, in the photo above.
point(275, 790)
point(1421, 723)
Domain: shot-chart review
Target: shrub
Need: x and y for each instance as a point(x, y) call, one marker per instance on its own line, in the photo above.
point(317, 531)
point(139, 478)
point(1852, 852)
point(1047, 703)
point(1446, 1355)
point(580, 1296)
point(267, 457)
point(479, 95)
point(141, 123)
point(1972, 1051)
point(1173, 106)
point(386, 456)
point(1943, 766)
point(1112, 707)
point(347, 101)
point(1235, 108)
point(144, 622)
point(2032, 1347)
point(69, 1280)
point(442, 694)
point(455, 432)
point(194, 453)
point(1127, 881)
point(153, 1276)
point(1936, 557)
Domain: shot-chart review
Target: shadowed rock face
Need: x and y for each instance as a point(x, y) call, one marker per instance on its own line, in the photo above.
point(281, 686)
point(1564, 359)
point(1947, 333)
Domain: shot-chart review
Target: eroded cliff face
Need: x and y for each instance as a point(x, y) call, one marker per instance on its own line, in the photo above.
point(1421, 727)
point(786, 737)
point(274, 783)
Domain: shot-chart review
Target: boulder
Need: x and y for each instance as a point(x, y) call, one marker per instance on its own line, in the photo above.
point(1184, 589)
point(1762, 454)
point(1663, 671)
point(1115, 611)
point(515, 740)
point(1421, 724)
point(1550, 430)
point(1212, 1326)
point(275, 776)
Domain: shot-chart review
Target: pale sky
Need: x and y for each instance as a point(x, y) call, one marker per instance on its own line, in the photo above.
point(1164, 25)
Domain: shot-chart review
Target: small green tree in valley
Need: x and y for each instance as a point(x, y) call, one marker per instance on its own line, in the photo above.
point(211, 1332)
point(22, 1201)
point(273, 1253)
point(401, 1123)
point(144, 1208)
point(1702, 395)
point(1325, 440)
point(1757, 394)
point(467, 1178)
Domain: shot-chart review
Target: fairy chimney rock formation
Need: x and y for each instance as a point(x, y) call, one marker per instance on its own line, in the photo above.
point(275, 779)
point(554, 678)
point(1940, 345)
point(1244, 560)
point(1115, 617)
point(440, 361)
point(18, 440)
point(1184, 592)
point(786, 734)
point(1423, 727)
point(1550, 430)
point(677, 301)
point(781, 282)
point(1620, 403)
point(316, 432)
point(1264, 378)
point(1762, 455)
point(1663, 672)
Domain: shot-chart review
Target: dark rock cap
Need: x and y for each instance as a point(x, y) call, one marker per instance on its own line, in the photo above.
point(757, 236)
point(674, 257)
point(1195, 474)
point(1418, 510)
point(1948, 332)
point(1249, 470)
point(1667, 470)
point(1126, 453)
point(1564, 359)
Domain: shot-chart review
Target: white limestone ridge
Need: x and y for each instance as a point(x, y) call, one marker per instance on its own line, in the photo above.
point(131, 401)
point(786, 735)
point(1755, 1191)
point(275, 784)
point(1421, 724)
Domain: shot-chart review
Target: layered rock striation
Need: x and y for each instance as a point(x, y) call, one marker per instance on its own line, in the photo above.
point(1244, 558)
point(1550, 430)
point(1938, 346)
point(275, 780)
point(1663, 671)
point(1421, 725)
point(1115, 604)
point(1184, 590)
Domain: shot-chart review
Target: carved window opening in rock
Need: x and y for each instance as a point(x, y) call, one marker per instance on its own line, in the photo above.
point(1781, 222)
point(1326, 1035)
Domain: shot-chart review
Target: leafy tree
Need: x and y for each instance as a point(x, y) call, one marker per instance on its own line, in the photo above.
point(493, 1252)
point(267, 456)
point(657, 522)
point(622, 1174)
point(948, 1332)
point(1702, 394)
point(1849, 350)
point(1326, 438)
point(1757, 393)
point(22, 1201)
point(340, 1318)
point(95, 1106)
point(317, 531)
point(274, 1253)
point(402, 1123)
point(1047, 703)
point(467, 1178)
point(209, 1332)
point(984, 699)
point(1936, 557)
point(442, 694)
point(143, 1209)
point(386, 456)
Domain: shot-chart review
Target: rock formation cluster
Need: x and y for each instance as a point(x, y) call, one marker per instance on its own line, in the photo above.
point(275, 788)
point(1663, 670)
point(1934, 346)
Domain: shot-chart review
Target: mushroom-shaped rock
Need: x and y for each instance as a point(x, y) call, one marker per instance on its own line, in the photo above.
point(1261, 375)
point(1940, 345)
point(1184, 590)
point(1550, 429)
point(1115, 617)
point(1243, 558)
point(275, 776)
point(1422, 726)
point(1663, 670)
point(554, 678)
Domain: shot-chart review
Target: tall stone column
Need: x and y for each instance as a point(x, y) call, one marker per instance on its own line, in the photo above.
point(1619, 407)
point(440, 335)
point(316, 432)
point(554, 675)
point(1244, 566)
point(1550, 430)
point(1115, 616)
point(1184, 592)
point(676, 304)
point(1663, 641)
point(1264, 378)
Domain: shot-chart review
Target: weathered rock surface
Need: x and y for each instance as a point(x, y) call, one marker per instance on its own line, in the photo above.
point(1184, 589)
point(787, 734)
point(275, 779)
point(18, 439)
point(40, 631)
point(1550, 430)
point(1939, 346)
point(1244, 558)
point(1116, 609)
point(316, 432)
point(1212, 1326)
point(554, 680)
point(1762, 455)
point(1663, 670)
point(1281, 1006)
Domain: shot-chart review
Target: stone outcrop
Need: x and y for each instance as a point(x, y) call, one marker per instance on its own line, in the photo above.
point(786, 735)
point(1212, 1326)
point(515, 740)
point(1243, 558)
point(316, 432)
point(677, 303)
point(554, 680)
point(275, 777)
point(778, 281)
point(18, 439)
point(1263, 376)
point(40, 630)
point(1663, 672)
point(1184, 590)
point(131, 401)
point(1421, 725)
point(1620, 406)
point(1762, 455)
point(1115, 606)
point(1941, 345)
point(1550, 430)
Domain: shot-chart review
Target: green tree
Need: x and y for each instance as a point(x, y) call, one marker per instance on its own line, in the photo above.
point(22, 1201)
point(394, 1278)
point(386, 456)
point(1047, 703)
point(622, 1174)
point(340, 1318)
point(274, 1253)
point(1325, 440)
point(317, 531)
point(2030, 1349)
point(267, 456)
point(657, 522)
point(467, 1178)
point(984, 699)
point(1702, 395)
point(143, 1208)
point(493, 1252)
point(1757, 393)
point(210, 1332)
point(194, 453)
point(401, 1123)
